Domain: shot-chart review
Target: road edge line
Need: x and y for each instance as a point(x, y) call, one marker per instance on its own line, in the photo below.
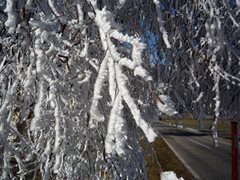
point(195, 175)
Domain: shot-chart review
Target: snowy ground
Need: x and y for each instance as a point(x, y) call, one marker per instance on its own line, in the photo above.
point(169, 175)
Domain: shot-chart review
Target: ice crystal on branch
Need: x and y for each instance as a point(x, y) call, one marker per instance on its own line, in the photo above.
point(112, 66)
point(56, 119)
point(75, 80)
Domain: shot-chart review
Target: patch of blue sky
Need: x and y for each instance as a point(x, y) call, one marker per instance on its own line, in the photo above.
point(154, 55)
point(164, 58)
point(173, 11)
point(151, 40)
point(152, 48)
point(232, 3)
point(127, 45)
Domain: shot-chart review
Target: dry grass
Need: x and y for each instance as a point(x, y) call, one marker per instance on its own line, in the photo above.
point(223, 127)
point(167, 159)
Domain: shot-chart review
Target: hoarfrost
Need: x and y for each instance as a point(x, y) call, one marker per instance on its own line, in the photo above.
point(166, 105)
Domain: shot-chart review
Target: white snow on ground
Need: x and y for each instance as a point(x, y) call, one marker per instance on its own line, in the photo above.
point(169, 175)
point(180, 126)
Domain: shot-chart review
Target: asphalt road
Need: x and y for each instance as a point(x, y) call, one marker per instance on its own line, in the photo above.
point(197, 151)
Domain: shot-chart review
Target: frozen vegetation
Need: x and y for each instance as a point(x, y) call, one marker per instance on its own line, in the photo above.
point(79, 78)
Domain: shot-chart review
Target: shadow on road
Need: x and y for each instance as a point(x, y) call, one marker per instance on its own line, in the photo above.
point(175, 131)
point(180, 133)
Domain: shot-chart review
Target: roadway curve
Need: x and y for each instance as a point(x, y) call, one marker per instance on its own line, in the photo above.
point(198, 153)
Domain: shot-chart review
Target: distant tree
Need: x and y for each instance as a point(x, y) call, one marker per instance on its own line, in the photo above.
point(201, 56)
point(74, 74)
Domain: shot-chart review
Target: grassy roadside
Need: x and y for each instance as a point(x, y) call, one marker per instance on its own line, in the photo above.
point(223, 127)
point(167, 160)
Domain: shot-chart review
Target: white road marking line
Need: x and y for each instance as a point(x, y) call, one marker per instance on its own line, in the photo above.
point(196, 176)
point(199, 143)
